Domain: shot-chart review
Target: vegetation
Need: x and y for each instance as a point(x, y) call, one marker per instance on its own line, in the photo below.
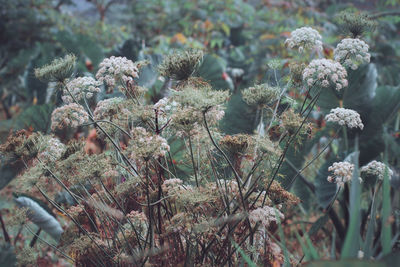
point(199, 133)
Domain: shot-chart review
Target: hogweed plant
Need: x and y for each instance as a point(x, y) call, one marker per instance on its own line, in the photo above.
point(167, 187)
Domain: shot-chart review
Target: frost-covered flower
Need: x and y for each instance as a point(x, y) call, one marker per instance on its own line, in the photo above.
point(344, 116)
point(342, 172)
point(51, 150)
point(264, 215)
point(377, 169)
point(107, 108)
point(80, 87)
point(325, 72)
point(145, 145)
point(115, 70)
point(304, 38)
point(71, 115)
point(351, 53)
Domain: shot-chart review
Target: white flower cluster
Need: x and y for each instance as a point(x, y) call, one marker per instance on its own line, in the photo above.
point(146, 145)
point(304, 38)
point(107, 107)
point(81, 87)
point(325, 72)
point(342, 172)
point(351, 53)
point(71, 115)
point(377, 169)
point(52, 150)
point(172, 186)
point(264, 215)
point(344, 116)
point(117, 69)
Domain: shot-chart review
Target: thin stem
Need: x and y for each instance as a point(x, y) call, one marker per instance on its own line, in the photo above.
point(193, 162)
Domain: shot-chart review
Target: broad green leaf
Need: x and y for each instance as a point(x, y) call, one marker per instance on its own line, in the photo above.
point(386, 236)
point(352, 240)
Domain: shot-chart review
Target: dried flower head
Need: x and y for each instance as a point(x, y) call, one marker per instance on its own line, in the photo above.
point(235, 143)
point(145, 145)
point(80, 88)
point(50, 149)
point(26, 257)
point(296, 72)
point(351, 53)
point(376, 169)
point(304, 38)
point(279, 195)
point(180, 65)
point(342, 172)
point(260, 95)
point(202, 99)
point(356, 23)
point(265, 216)
point(292, 121)
point(58, 70)
point(325, 73)
point(107, 108)
point(116, 70)
point(345, 117)
point(71, 115)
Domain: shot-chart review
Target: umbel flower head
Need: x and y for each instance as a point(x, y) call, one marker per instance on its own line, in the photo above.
point(71, 115)
point(304, 38)
point(265, 215)
point(376, 169)
point(325, 73)
point(107, 108)
point(180, 65)
point(81, 87)
point(115, 70)
point(50, 149)
point(260, 95)
point(145, 145)
point(351, 53)
point(58, 70)
point(342, 172)
point(356, 23)
point(202, 99)
point(345, 117)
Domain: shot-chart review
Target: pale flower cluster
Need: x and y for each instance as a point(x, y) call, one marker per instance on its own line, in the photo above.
point(304, 38)
point(80, 88)
point(351, 53)
point(107, 108)
point(117, 69)
point(325, 73)
point(342, 172)
point(71, 115)
point(377, 169)
point(347, 117)
point(145, 145)
point(52, 150)
point(264, 215)
point(172, 186)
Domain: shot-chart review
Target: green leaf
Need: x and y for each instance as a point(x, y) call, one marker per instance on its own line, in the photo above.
point(9, 169)
point(352, 240)
point(345, 263)
point(212, 69)
point(7, 255)
point(324, 190)
point(369, 237)
point(386, 237)
point(244, 256)
point(36, 116)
